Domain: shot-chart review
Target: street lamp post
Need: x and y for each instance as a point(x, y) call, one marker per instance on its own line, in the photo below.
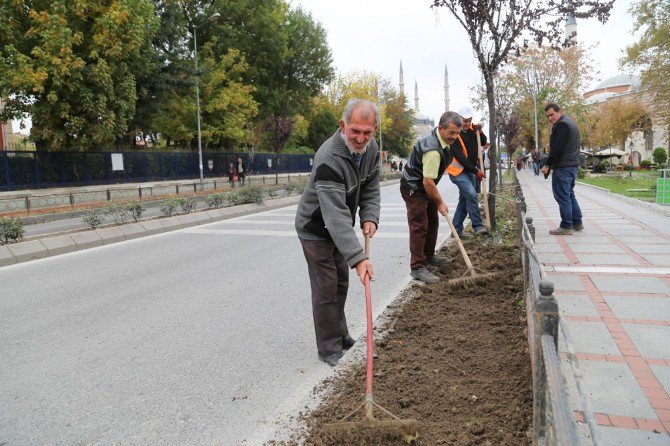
point(630, 171)
point(535, 106)
point(214, 16)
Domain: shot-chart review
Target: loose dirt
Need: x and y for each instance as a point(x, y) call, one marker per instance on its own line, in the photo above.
point(455, 359)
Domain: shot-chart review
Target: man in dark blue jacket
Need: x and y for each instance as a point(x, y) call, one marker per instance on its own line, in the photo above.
point(564, 161)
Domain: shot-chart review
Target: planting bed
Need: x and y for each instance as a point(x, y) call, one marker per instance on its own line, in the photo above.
point(454, 359)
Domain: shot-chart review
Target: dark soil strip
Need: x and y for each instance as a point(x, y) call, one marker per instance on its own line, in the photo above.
point(454, 359)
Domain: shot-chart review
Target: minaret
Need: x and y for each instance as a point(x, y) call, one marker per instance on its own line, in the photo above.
point(571, 28)
point(402, 81)
point(416, 97)
point(446, 88)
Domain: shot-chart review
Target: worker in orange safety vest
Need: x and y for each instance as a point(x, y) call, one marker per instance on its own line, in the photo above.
point(465, 173)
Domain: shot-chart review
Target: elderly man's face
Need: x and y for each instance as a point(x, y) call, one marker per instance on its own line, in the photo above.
point(360, 129)
point(553, 115)
point(450, 133)
point(467, 122)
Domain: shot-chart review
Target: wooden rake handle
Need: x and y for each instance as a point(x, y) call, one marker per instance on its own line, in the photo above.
point(460, 244)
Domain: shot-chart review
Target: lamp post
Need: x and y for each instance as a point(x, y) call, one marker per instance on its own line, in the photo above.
point(214, 16)
point(535, 105)
point(630, 146)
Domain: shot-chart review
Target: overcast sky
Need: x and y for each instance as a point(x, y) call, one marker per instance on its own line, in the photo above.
point(374, 35)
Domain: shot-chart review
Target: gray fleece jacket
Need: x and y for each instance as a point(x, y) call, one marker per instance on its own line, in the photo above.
point(335, 190)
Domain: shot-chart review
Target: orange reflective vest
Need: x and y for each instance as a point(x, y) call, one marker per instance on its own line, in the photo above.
point(455, 168)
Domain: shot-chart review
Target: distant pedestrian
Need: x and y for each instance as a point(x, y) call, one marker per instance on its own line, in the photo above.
point(232, 174)
point(564, 161)
point(544, 156)
point(241, 171)
point(394, 166)
point(535, 158)
point(400, 166)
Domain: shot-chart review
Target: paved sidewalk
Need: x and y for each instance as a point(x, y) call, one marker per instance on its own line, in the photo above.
point(612, 283)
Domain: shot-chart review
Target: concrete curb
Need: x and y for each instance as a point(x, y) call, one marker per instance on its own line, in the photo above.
point(56, 244)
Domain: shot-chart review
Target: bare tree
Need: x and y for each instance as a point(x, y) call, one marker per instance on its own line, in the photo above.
point(500, 28)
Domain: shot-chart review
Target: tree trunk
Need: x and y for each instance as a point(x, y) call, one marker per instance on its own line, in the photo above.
point(493, 150)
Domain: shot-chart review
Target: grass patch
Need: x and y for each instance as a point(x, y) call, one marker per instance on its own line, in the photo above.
point(622, 184)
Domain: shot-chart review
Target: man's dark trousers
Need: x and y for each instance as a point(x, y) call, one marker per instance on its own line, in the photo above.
point(563, 187)
point(329, 280)
point(424, 222)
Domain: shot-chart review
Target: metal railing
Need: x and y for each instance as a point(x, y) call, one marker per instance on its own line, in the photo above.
point(100, 194)
point(553, 419)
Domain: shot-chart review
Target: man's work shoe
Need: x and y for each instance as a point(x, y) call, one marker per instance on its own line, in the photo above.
point(331, 359)
point(462, 235)
point(424, 275)
point(561, 231)
point(347, 342)
point(578, 227)
point(481, 230)
point(438, 261)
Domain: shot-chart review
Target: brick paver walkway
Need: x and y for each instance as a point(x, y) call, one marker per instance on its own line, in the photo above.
point(612, 283)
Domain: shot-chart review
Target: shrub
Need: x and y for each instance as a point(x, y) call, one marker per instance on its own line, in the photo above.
point(187, 204)
point(214, 200)
point(136, 209)
point(645, 163)
point(581, 173)
point(118, 212)
point(11, 230)
point(251, 194)
point(169, 206)
point(93, 218)
point(294, 188)
point(660, 155)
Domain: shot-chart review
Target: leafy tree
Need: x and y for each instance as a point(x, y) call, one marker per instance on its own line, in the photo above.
point(659, 155)
point(228, 106)
point(499, 29)
point(72, 66)
point(399, 135)
point(541, 75)
point(652, 52)
point(617, 118)
point(322, 123)
point(396, 121)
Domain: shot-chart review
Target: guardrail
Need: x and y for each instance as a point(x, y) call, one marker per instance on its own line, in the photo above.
point(77, 198)
point(553, 420)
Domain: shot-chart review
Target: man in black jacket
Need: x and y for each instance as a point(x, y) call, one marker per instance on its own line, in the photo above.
point(564, 161)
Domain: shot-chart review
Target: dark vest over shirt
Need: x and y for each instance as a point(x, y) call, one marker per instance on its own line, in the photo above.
point(412, 174)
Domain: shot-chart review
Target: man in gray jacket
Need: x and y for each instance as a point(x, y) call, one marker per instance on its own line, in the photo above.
point(344, 179)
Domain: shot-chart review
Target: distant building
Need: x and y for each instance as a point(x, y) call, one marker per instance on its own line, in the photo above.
point(626, 87)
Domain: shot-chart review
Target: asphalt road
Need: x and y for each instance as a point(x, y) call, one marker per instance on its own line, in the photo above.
point(200, 336)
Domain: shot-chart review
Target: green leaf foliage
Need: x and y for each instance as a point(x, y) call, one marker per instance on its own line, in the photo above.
point(72, 66)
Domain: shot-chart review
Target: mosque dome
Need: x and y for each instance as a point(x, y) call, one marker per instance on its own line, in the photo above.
point(620, 80)
point(615, 85)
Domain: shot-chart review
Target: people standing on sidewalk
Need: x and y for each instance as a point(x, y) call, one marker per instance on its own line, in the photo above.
point(564, 161)
point(344, 180)
point(535, 157)
point(465, 173)
point(423, 170)
point(232, 174)
point(241, 171)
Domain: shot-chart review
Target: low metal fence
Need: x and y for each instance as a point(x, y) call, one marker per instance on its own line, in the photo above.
point(25, 170)
point(78, 198)
point(553, 419)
